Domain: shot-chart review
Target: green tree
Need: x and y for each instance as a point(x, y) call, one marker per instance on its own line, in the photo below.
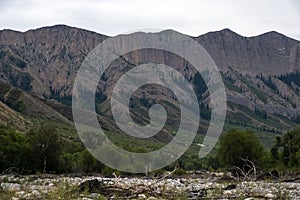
point(88, 163)
point(45, 147)
point(14, 148)
point(287, 148)
point(236, 145)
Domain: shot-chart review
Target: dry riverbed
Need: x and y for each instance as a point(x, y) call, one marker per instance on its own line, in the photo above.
point(204, 186)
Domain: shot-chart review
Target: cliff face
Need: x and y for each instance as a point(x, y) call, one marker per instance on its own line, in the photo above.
point(49, 56)
point(43, 62)
point(269, 53)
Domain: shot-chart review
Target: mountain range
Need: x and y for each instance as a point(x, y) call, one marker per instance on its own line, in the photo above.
point(261, 75)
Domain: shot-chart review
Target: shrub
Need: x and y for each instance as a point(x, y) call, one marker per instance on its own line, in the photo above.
point(236, 145)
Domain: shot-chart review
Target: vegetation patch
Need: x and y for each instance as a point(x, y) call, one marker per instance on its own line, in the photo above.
point(18, 62)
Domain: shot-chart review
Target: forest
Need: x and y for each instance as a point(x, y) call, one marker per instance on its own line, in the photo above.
point(43, 149)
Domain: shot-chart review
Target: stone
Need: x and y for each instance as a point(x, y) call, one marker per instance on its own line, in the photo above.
point(12, 187)
point(227, 192)
point(85, 198)
point(142, 196)
point(94, 195)
point(196, 194)
point(152, 198)
point(269, 196)
point(20, 193)
point(36, 193)
point(28, 196)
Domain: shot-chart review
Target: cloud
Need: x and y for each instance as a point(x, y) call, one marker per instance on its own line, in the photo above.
point(192, 17)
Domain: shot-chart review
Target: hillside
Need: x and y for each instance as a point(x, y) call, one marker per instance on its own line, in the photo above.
point(13, 118)
point(260, 74)
point(18, 108)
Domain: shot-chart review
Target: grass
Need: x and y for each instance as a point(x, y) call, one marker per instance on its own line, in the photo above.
point(64, 190)
point(123, 141)
point(282, 195)
point(6, 195)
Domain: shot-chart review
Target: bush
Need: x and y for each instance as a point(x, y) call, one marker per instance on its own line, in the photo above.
point(88, 163)
point(236, 145)
point(14, 148)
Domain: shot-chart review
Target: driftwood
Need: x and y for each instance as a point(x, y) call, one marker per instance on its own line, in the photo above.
point(247, 172)
point(120, 191)
point(11, 170)
point(124, 191)
point(273, 175)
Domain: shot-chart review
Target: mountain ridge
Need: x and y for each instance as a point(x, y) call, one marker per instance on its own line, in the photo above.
point(44, 62)
point(83, 29)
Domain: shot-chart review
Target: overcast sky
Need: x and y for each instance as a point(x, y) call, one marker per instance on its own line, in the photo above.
point(195, 17)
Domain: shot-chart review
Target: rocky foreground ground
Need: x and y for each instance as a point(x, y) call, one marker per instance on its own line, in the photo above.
point(212, 186)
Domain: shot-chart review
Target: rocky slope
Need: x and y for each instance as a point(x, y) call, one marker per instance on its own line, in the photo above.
point(43, 62)
point(270, 53)
point(9, 116)
point(17, 107)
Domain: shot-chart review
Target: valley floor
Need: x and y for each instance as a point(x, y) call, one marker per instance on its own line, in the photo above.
point(212, 186)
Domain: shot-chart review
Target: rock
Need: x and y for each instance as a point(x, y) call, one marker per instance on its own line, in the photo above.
point(20, 193)
point(36, 187)
point(94, 196)
point(227, 192)
point(28, 196)
point(36, 193)
point(269, 196)
point(197, 194)
point(85, 198)
point(152, 198)
point(142, 196)
point(12, 187)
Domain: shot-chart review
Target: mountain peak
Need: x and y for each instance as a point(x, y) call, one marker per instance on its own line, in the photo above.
point(224, 32)
point(61, 28)
point(272, 34)
point(57, 26)
point(228, 32)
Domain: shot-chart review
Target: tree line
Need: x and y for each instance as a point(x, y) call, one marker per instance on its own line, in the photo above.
point(44, 150)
